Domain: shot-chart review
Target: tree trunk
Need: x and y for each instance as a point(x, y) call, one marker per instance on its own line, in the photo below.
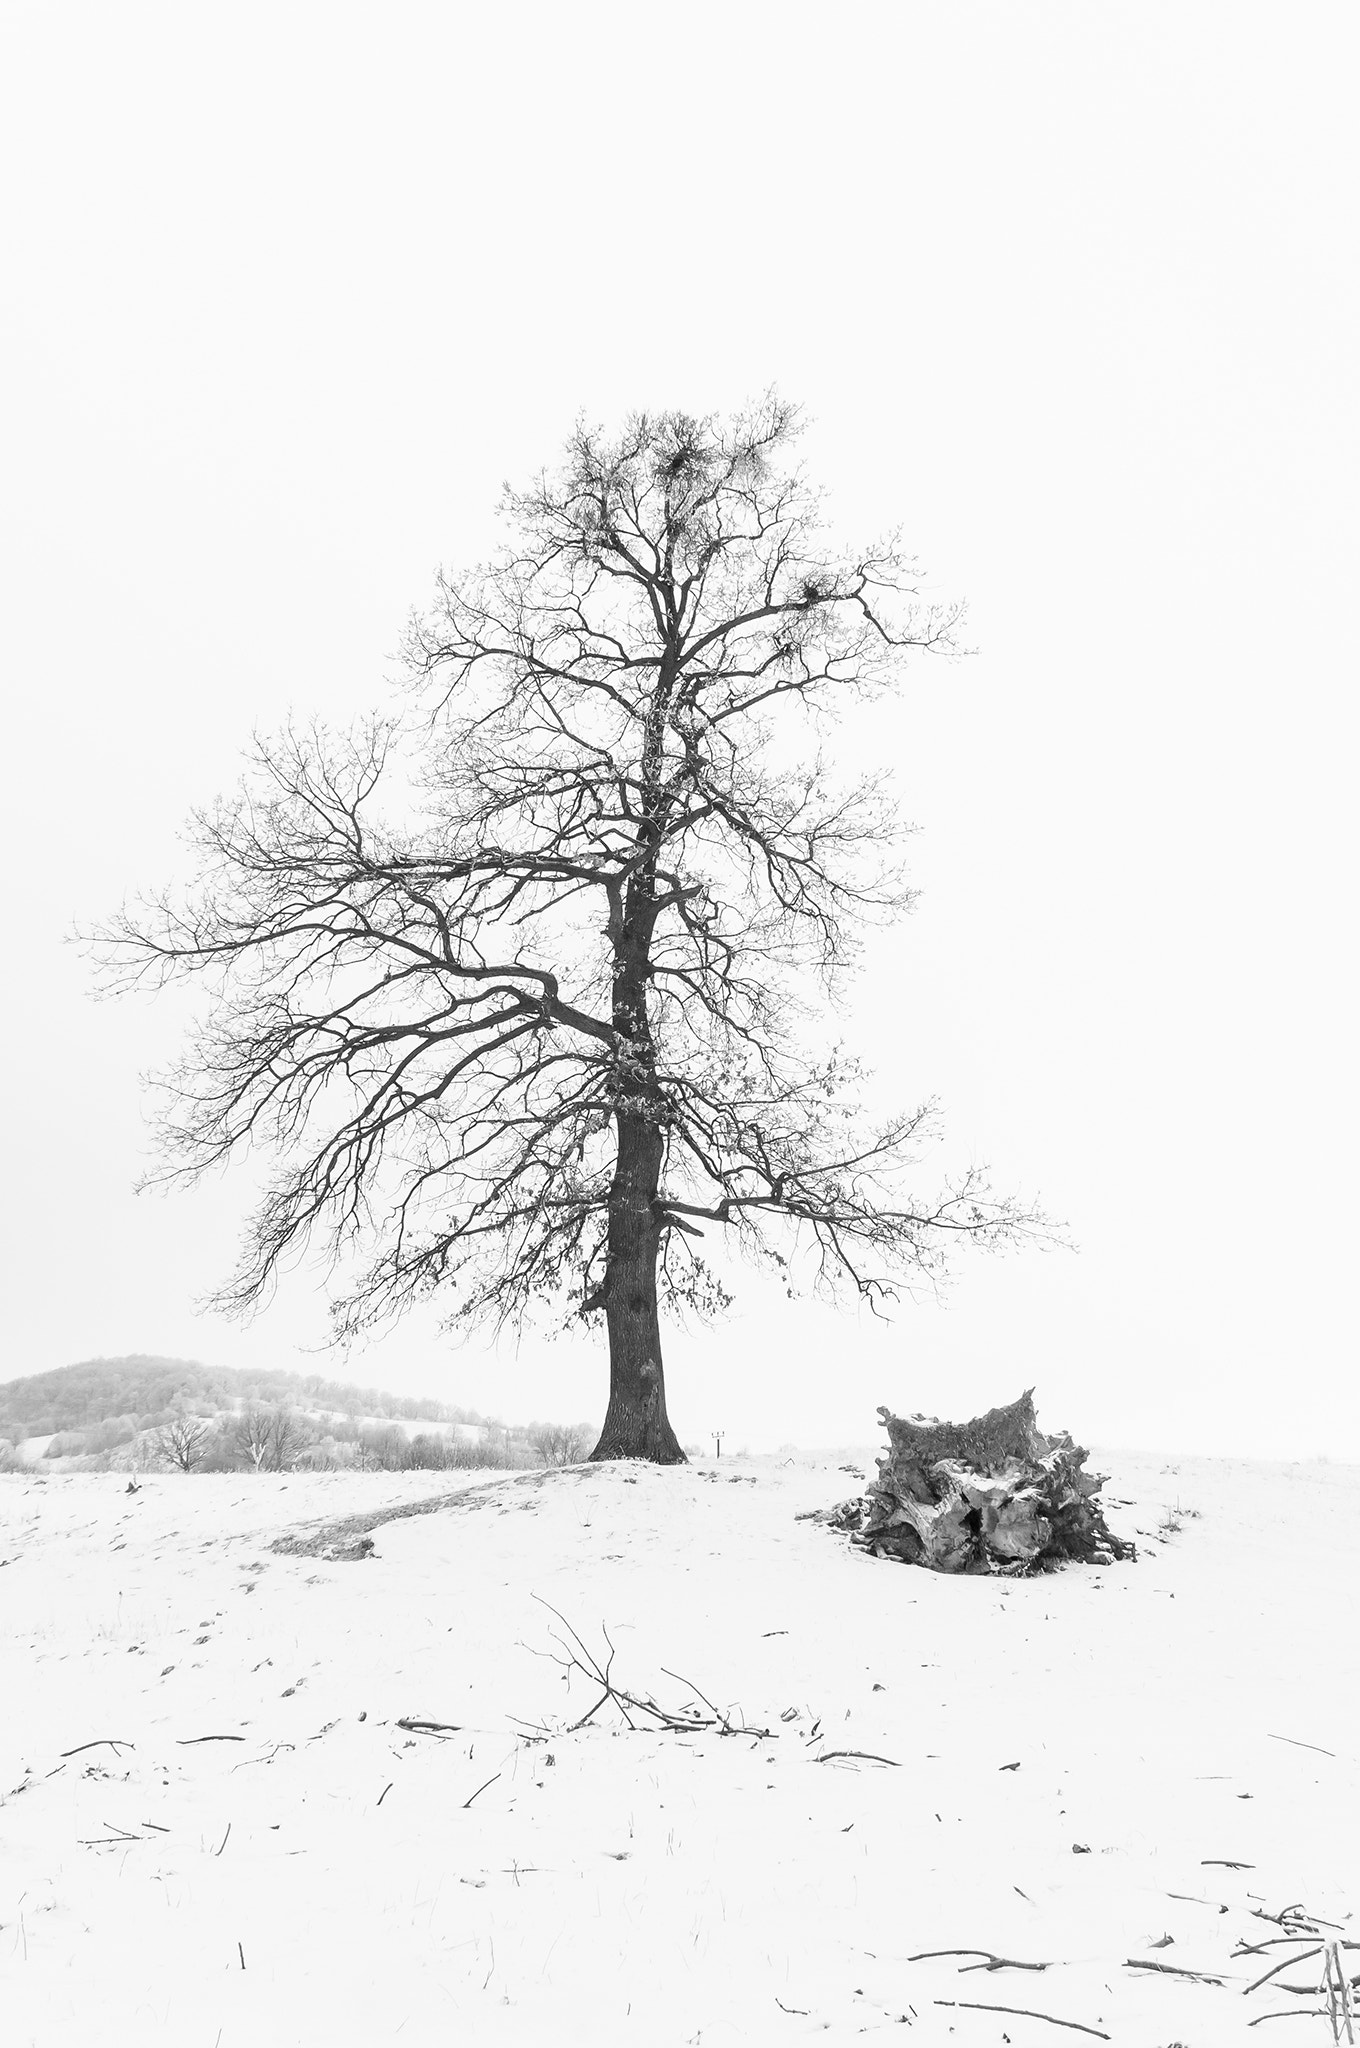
point(635, 1424)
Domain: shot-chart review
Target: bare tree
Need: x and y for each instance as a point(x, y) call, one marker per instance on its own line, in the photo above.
point(183, 1441)
point(251, 1434)
point(559, 1443)
point(268, 1437)
point(528, 1043)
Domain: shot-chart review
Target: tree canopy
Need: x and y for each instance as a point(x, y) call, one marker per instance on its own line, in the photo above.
point(518, 982)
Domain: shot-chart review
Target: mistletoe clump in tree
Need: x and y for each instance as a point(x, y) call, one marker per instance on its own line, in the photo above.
point(524, 1041)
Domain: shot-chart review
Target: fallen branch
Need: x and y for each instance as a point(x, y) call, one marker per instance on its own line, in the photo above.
point(1295, 1919)
point(991, 1962)
point(1025, 2012)
point(869, 1757)
point(1337, 1987)
point(114, 1743)
point(1171, 1970)
point(1258, 1948)
point(246, 1764)
point(629, 1704)
point(1299, 1745)
point(1286, 1963)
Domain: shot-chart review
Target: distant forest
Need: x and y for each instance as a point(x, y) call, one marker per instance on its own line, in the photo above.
point(137, 1414)
point(149, 1390)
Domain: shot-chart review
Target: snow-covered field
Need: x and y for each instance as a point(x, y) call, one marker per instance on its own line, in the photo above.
point(214, 1833)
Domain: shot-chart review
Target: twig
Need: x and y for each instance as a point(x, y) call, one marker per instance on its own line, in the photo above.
point(100, 1742)
point(1290, 2012)
point(245, 1766)
point(430, 1727)
point(629, 1704)
point(480, 1789)
point(1299, 1745)
point(1003, 1963)
point(1336, 1984)
point(242, 1954)
point(801, 2010)
point(1170, 1970)
point(1025, 2012)
point(681, 1680)
point(188, 1741)
point(221, 1846)
point(1225, 1863)
point(869, 1757)
point(1287, 1963)
point(385, 1790)
point(991, 1963)
point(1258, 1948)
point(1296, 1916)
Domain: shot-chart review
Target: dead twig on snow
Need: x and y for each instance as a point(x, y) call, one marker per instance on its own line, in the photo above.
point(990, 1961)
point(1025, 2012)
point(1286, 1963)
point(868, 1756)
point(1171, 1970)
point(1288, 2012)
point(1299, 1745)
point(1336, 1986)
point(101, 1742)
point(629, 1704)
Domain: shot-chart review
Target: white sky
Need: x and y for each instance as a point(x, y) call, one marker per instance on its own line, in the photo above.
point(1067, 290)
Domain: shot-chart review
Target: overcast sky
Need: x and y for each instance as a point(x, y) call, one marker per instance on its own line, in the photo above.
point(1068, 291)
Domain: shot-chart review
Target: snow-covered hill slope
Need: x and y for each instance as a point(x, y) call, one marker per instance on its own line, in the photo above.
point(214, 1833)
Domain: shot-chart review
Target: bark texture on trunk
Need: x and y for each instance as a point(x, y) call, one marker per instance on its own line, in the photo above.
point(635, 1423)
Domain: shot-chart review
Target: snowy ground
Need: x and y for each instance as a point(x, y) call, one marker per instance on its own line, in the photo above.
point(1078, 1763)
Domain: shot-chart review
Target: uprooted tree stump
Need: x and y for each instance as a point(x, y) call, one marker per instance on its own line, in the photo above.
point(991, 1495)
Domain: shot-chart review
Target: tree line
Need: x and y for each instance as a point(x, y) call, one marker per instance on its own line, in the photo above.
point(261, 1438)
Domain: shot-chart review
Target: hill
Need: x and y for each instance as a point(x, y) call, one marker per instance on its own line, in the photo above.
point(294, 1802)
point(146, 1390)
